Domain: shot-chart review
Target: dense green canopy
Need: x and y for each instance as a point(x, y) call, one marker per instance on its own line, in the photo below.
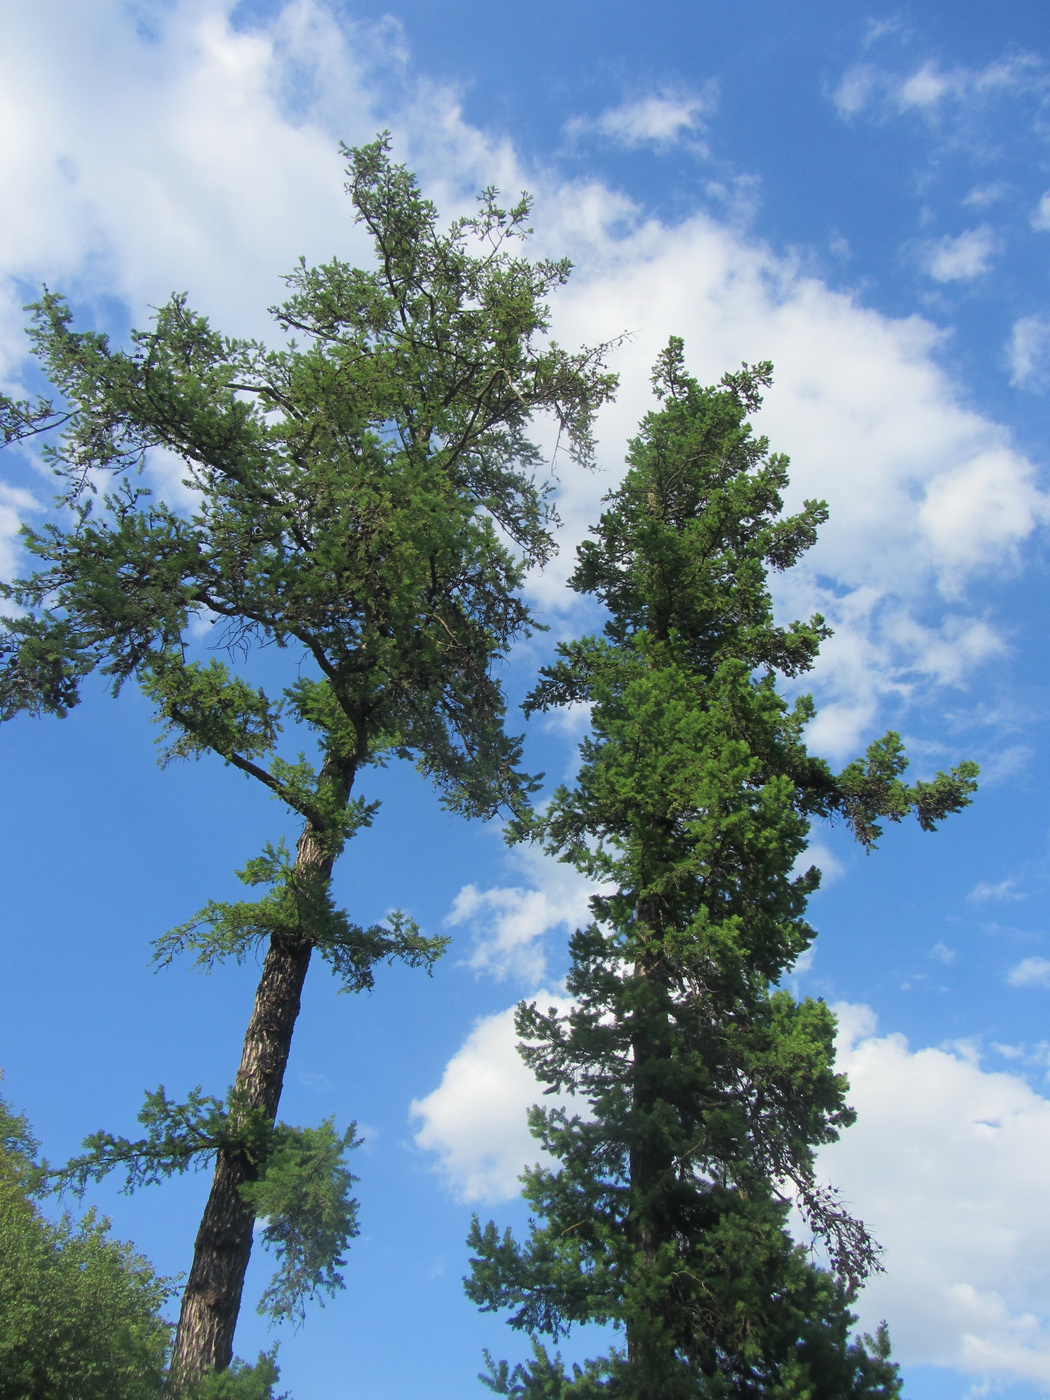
point(705, 1087)
point(364, 499)
point(79, 1310)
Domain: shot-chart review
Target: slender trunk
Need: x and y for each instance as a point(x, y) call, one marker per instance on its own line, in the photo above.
point(651, 1163)
point(212, 1297)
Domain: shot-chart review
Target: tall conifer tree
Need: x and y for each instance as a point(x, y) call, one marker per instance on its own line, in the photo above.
point(366, 500)
point(706, 1086)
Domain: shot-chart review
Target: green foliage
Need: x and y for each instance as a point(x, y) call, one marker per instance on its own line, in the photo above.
point(346, 492)
point(242, 1381)
point(365, 497)
point(298, 1181)
point(299, 907)
point(179, 1137)
point(545, 1378)
point(708, 1087)
point(303, 1194)
point(346, 488)
point(79, 1310)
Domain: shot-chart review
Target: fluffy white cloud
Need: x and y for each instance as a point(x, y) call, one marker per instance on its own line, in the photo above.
point(16, 505)
point(659, 119)
point(1005, 889)
point(946, 1163)
point(168, 160)
point(1028, 353)
point(1030, 972)
point(924, 494)
point(930, 88)
point(509, 922)
point(974, 516)
point(823, 857)
point(981, 196)
point(962, 257)
point(475, 1120)
point(1040, 219)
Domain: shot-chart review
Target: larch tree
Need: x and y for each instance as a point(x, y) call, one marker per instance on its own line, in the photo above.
point(705, 1086)
point(367, 499)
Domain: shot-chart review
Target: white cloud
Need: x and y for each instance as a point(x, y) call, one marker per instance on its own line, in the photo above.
point(924, 88)
point(15, 505)
point(1028, 353)
point(1005, 764)
point(855, 89)
point(132, 166)
point(475, 1120)
point(660, 119)
point(981, 196)
point(963, 257)
point(1005, 889)
point(831, 868)
point(509, 922)
point(931, 89)
point(1040, 219)
point(873, 426)
point(946, 1164)
point(1030, 972)
point(976, 516)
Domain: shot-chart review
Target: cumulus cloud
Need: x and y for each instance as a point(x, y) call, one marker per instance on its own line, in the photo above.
point(509, 922)
point(660, 119)
point(930, 88)
point(981, 196)
point(1040, 219)
point(475, 1120)
point(963, 257)
point(1005, 889)
point(1028, 353)
point(823, 857)
point(946, 1163)
point(16, 504)
point(855, 89)
point(874, 428)
point(976, 515)
point(212, 186)
point(1030, 972)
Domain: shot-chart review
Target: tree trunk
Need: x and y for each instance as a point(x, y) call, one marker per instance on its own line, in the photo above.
point(212, 1298)
point(651, 1163)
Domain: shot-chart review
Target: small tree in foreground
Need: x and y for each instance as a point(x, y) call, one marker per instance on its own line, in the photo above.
point(79, 1310)
point(708, 1086)
point(366, 501)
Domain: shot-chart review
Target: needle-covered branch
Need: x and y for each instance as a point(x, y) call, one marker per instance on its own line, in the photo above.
point(296, 1181)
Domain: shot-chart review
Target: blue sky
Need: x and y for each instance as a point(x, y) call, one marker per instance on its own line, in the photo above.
point(861, 195)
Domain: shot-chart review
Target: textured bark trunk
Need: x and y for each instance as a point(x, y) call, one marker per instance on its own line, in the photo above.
point(212, 1298)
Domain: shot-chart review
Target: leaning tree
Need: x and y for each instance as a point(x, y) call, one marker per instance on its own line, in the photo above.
point(366, 498)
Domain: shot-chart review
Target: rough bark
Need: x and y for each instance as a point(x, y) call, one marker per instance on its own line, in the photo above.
point(212, 1298)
